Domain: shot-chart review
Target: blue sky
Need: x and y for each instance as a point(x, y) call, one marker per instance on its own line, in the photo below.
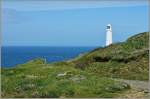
point(76, 23)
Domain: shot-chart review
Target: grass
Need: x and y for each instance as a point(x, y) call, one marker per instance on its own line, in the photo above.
point(127, 60)
point(36, 79)
point(86, 76)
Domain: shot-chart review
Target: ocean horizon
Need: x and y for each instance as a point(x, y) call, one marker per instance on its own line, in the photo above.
point(15, 55)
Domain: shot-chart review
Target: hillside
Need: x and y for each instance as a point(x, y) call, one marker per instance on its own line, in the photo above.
point(38, 80)
point(128, 60)
point(90, 75)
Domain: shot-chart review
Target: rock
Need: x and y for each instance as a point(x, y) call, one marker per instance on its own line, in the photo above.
point(146, 91)
point(61, 75)
point(65, 74)
point(77, 78)
point(117, 87)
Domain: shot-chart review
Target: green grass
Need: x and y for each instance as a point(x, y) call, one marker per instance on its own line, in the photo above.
point(89, 75)
point(36, 79)
point(128, 60)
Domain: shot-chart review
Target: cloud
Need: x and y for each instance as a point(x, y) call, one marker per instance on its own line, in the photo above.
point(36, 5)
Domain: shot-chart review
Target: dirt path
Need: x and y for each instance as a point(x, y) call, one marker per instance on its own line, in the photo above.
point(139, 89)
point(136, 83)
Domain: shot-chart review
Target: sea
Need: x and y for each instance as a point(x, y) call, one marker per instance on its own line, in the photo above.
point(14, 55)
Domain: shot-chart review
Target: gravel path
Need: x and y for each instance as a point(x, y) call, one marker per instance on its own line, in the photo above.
point(141, 85)
point(139, 89)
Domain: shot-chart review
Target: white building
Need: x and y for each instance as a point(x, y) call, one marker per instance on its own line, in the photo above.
point(109, 35)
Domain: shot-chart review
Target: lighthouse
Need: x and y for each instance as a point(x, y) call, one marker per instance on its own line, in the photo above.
point(109, 35)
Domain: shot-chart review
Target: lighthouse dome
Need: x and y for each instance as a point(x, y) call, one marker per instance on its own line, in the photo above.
point(109, 26)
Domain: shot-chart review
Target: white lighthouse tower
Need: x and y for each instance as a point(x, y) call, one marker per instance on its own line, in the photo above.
point(108, 35)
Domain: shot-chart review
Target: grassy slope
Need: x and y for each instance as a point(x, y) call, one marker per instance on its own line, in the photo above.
point(36, 79)
point(127, 60)
point(123, 60)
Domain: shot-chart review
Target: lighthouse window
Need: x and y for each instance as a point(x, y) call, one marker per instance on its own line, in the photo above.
point(108, 27)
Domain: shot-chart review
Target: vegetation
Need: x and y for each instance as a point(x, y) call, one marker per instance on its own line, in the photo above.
point(128, 60)
point(92, 76)
point(36, 79)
